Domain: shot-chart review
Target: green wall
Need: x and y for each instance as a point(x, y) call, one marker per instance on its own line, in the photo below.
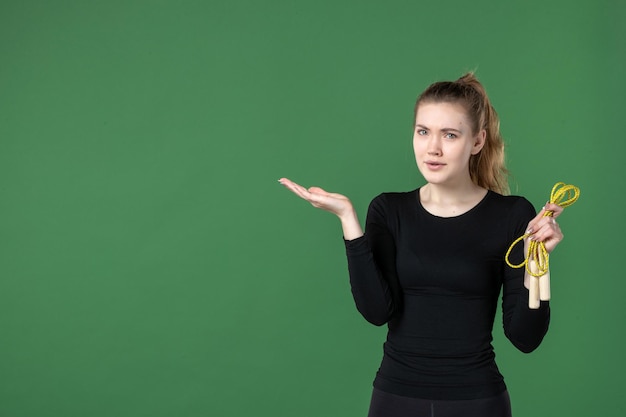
point(150, 263)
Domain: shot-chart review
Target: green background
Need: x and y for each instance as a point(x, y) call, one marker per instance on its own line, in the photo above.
point(150, 263)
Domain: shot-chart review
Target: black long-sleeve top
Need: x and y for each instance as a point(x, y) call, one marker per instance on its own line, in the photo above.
point(435, 281)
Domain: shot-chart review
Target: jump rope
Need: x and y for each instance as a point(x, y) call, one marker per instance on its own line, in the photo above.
point(537, 260)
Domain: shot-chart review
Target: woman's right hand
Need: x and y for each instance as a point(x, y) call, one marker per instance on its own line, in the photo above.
point(334, 203)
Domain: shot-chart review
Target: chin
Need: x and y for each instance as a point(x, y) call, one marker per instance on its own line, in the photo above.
point(434, 178)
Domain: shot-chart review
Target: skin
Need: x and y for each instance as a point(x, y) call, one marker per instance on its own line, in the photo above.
point(443, 142)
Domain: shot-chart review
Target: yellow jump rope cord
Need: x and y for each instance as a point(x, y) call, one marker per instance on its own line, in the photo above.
point(563, 195)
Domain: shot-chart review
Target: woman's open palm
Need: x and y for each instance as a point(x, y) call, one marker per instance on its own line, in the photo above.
point(337, 204)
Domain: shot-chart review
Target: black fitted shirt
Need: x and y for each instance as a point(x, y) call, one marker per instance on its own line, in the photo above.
point(435, 281)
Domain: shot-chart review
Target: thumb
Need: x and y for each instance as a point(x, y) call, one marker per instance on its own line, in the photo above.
point(317, 190)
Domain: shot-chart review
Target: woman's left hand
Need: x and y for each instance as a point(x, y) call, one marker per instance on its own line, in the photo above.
point(545, 228)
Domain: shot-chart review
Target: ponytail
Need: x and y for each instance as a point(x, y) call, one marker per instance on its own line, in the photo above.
point(487, 168)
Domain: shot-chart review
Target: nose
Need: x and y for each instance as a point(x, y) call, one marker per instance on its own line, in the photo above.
point(434, 146)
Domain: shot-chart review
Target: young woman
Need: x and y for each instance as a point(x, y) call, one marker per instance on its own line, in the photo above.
point(431, 263)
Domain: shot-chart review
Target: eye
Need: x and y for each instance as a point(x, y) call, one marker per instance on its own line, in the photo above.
point(450, 136)
point(422, 132)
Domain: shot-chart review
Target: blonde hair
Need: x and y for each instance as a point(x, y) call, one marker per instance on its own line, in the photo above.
point(487, 168)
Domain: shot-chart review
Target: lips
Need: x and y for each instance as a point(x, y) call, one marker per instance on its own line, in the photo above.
point(434, 164)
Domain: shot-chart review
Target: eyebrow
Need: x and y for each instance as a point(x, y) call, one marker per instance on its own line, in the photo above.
point(445, 129)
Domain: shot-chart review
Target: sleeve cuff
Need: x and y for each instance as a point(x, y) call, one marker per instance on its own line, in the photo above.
point(357, 246)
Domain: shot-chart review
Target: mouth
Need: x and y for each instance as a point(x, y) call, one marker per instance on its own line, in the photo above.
point(434, 164)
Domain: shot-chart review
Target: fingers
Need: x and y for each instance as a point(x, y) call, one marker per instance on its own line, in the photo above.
point(545, 229)
point(297, 189)
point(318, 190)
point(314, 195)
point(335, 203)
point(321, 192)
point(554, 208)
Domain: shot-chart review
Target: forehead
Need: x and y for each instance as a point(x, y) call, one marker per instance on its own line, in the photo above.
point(442, 114)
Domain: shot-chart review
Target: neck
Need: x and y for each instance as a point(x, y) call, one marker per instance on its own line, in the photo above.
point(452, 193)
point(448, 201)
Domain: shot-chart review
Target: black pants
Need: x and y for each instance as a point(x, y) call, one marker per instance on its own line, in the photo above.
point(390, 405)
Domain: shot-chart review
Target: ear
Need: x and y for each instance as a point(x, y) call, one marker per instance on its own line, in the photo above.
point(479, 142)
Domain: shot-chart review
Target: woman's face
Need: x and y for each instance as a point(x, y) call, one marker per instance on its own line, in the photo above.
point(443, 142)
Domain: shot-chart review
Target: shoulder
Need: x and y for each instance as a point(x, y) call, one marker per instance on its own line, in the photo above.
point(389, 205)
point(516, 207)
point(394, 199)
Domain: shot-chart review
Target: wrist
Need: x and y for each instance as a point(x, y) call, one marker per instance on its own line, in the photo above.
point(350, 225)
point(347, 215)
